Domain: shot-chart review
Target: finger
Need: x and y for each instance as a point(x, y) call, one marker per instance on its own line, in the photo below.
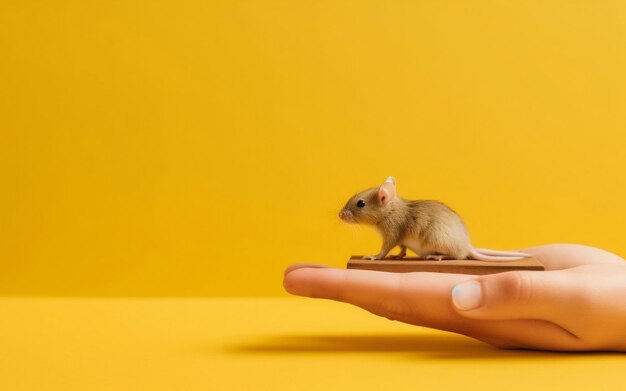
point(394, 295)
point(563, 256)
point(422, 299)
point(517, 295)
point(301, 266)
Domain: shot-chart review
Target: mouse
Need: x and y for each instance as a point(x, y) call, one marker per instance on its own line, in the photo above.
point(429, 228)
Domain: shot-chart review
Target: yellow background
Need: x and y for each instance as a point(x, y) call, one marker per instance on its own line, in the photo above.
point(168, 148)
point(241, 344)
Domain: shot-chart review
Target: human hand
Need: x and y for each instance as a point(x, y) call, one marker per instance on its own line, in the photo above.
point(577, 304)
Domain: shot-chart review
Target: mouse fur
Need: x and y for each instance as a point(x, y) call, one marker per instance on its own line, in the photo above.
point(427, 227)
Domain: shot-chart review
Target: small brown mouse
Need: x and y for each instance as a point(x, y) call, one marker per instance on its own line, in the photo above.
point(428, 228)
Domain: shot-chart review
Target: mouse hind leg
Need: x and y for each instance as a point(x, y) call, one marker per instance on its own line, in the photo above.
point(435, 254)
point(441, 253)
point(437, 257)
point(445, 242)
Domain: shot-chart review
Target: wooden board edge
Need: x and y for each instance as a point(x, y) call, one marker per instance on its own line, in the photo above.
point(451, 266)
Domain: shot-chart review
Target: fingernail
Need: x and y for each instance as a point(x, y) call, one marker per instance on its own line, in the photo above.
point(302, 266)
point(467, 295)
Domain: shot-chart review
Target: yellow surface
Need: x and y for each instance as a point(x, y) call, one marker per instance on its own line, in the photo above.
point(262, 344)
point(197, 147)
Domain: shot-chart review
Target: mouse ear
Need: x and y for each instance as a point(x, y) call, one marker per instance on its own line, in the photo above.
point(387, 191)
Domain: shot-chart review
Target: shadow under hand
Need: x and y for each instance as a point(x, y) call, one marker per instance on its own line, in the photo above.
point(444, 346)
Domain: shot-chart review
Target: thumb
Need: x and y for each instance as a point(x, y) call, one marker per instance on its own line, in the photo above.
point(515, 295)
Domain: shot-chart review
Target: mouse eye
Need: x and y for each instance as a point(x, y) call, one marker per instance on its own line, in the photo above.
point(360, 203)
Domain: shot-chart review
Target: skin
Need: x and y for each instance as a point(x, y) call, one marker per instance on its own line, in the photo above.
point(577, 304)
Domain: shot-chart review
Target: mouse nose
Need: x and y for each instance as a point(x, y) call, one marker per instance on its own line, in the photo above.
point(345, 214)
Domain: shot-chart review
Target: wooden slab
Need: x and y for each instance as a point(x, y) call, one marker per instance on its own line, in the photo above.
point(467, 266)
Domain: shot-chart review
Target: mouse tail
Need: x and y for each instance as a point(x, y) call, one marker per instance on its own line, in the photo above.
point(479, 256)
point(486, 251)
